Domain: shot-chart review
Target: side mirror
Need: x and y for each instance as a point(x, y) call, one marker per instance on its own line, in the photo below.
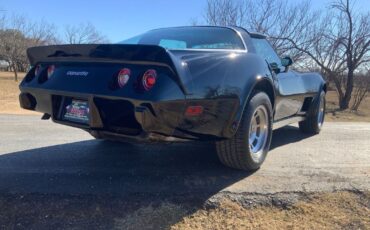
point(286, 61)
point(275, 67)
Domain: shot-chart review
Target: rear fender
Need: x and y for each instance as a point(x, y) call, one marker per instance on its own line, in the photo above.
point(225, 75)
point(314, 85)
point(250, 89)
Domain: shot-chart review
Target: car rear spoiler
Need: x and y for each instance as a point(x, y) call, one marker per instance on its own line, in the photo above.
point(116, 53)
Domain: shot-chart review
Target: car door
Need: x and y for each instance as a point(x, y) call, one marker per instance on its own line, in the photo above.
point(288, 84)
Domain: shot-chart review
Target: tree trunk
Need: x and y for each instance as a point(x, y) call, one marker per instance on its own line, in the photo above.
point(344, 102)
point(338, 85)
point(15, 72)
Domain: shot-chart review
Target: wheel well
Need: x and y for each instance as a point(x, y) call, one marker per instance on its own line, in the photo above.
point(266, 87)
point(262, 85)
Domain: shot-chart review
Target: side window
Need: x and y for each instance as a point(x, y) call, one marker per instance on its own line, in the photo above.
point(265, 50)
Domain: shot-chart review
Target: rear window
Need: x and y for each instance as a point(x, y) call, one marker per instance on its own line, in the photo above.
point(190, 38)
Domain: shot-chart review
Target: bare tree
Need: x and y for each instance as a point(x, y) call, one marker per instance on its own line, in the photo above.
point(193, 21)
point(42, 33)
point(339, 44)
point(324, 52)
point(337, 41)
point(361, 89)
point(354, 37)
point(275, 18)
point(12, 49)
point(83, 34)
point(18, 33)
point(13, 43)
point(225, 12)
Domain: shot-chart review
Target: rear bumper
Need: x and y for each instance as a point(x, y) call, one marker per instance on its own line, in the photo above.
point(124, 118)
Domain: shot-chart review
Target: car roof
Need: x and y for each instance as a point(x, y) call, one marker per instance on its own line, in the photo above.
point(235, 28)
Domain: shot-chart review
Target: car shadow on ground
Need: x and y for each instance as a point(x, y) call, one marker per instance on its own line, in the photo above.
point(115, 176)
point(287, 135)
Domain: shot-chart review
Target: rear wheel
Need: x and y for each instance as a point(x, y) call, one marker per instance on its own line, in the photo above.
point(248, 148)
point(315, 116)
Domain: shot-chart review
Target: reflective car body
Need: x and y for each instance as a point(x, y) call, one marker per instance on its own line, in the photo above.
point(204, 77)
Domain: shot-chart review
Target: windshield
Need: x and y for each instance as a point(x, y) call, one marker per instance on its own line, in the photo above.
point(190, 38)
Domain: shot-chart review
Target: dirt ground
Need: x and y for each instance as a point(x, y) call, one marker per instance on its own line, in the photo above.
point(9, 93)
point(338, 210)
point(9, 104)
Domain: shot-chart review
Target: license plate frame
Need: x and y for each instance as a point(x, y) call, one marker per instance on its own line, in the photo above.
point(77, 111)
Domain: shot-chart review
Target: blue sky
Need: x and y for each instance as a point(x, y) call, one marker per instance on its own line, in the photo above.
point(120, 19)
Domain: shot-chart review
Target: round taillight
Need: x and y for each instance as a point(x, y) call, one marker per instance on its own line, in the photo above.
point(37, 70)
point(123, 77)
point(149, 79)
point(51, 70)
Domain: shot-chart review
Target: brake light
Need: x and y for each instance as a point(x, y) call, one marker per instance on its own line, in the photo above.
point(37, 70)
point(123, 77)
point(149, 79)
point(51, 70)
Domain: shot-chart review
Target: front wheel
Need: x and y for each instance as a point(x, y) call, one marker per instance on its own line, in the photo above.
point(248, 148)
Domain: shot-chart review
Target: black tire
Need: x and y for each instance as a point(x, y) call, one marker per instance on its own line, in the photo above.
point(236, 152)
point(314, 122)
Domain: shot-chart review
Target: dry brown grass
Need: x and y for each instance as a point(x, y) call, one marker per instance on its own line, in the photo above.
point(9, 93)
point(150, 217)
point(339, 210)
point(333, 114)
point(326, 211)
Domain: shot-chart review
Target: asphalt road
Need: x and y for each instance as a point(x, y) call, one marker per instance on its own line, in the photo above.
point(41, 157)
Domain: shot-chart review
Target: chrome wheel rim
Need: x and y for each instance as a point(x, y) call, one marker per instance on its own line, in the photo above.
point(258, 132)
point(321, 112)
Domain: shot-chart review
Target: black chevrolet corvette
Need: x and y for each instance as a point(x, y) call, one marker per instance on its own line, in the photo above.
point(200, 83)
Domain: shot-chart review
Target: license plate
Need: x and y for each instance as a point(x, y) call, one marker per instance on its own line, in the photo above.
point(77, 111)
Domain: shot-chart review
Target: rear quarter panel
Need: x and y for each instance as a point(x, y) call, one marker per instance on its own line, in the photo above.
point(222, 75)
